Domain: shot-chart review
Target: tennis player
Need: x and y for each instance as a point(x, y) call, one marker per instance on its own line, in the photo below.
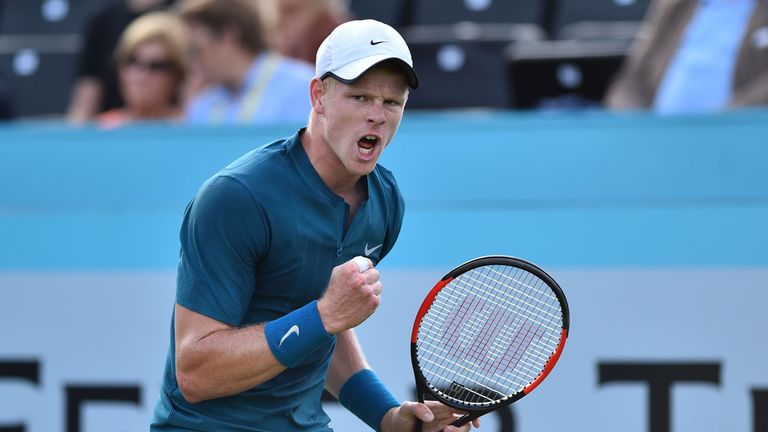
point(268, 293)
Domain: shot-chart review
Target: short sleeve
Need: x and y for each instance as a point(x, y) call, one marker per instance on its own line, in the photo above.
point(224, 234)
point(395, 219)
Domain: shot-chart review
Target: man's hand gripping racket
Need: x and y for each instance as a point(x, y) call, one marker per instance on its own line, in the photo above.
point(487, 334)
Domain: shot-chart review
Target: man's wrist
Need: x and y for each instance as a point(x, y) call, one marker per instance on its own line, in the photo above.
point(388, 421)
point(326, 317)
point(283, 333)
point(366, 397)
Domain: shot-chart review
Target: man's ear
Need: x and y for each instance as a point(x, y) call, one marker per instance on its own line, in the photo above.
point(316, 95)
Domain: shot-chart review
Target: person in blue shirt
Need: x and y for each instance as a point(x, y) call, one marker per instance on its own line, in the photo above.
point(696, 56)
point(278, 256)
point(246, 82)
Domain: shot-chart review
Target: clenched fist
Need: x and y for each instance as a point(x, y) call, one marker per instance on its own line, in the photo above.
point(351, 297)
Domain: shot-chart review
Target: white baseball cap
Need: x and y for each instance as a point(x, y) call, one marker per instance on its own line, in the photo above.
point(355, 46)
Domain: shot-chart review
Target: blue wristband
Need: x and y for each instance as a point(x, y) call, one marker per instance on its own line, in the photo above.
point(365, 396)
point(294, 336)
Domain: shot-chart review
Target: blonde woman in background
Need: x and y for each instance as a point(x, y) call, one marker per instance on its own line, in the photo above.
point(152, 65)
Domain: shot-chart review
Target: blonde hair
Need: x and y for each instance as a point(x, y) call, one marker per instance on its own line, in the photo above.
point(163, 27)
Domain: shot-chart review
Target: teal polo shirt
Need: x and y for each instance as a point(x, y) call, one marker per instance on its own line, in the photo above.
point(260, 240)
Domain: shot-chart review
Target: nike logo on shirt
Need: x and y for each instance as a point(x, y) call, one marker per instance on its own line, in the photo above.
point(370, 251)
point(293, 330)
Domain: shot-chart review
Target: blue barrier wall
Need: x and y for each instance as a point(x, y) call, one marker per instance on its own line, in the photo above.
point(655, 228)
point(565, 190)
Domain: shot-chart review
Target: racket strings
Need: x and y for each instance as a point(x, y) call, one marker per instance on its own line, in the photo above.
point(488, 334)
point(503, 337)
point(523, 364)
point(477, 325)
point(526, 331)
point(471, 377)
point(494, 298)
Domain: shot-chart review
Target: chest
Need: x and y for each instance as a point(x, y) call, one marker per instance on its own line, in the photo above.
point(309, 236)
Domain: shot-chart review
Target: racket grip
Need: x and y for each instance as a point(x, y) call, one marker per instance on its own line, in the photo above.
point(461, 421)
point(418, 426)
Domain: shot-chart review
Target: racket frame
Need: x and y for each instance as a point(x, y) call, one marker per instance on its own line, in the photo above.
point(422, 387)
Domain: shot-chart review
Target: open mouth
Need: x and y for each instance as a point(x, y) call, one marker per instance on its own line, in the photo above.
point(367, 144)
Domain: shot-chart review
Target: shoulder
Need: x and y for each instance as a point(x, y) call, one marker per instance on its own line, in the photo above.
point(224, 193)
point(199, 107)
point(296, 69)
point(112, 118)
point(260, 166)
point(386, 180)
point(288, 92)
point(208, 94)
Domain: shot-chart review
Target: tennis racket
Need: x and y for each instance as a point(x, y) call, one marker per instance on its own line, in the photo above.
point(487, 334)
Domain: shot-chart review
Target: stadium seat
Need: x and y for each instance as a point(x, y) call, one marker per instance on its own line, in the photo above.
point(39, 82)
point(570, 74)
point(46, 16)
point(39, 42)
point(463, 65)
point(610, 19)
point(574, 69)
point(425, 12)
point(391, 12)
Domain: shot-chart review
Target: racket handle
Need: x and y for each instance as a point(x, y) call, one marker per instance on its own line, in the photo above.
point(461, 421)
point(362, 263)
point(418, 426)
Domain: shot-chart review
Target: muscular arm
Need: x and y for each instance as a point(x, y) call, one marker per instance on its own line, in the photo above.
point(347, 360)
point(214, 359)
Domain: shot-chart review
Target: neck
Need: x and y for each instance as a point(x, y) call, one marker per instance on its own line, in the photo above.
point(329, 168)
point(153, 112)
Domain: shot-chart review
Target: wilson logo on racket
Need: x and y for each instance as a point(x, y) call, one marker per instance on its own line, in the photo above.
point(487, 334)
point(496, 339)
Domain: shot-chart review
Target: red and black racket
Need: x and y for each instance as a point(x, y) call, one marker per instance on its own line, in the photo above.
point(487, 334)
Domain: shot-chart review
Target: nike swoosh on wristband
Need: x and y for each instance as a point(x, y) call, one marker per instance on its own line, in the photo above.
point(293, 330)
point(376, 43)
point(370, 251)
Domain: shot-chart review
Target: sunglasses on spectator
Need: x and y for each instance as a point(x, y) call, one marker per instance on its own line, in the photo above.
point(149, 65)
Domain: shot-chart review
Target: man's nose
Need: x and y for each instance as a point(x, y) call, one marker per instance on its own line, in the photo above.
point(377, 114)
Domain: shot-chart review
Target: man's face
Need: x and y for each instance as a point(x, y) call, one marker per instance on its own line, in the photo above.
point(360, 119)
point(207, 52)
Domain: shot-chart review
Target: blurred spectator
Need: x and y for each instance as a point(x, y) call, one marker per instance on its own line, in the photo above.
point(249, 84)
point(696, 56)
point(151, 66)
point(298, 27)
point(96, 88)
